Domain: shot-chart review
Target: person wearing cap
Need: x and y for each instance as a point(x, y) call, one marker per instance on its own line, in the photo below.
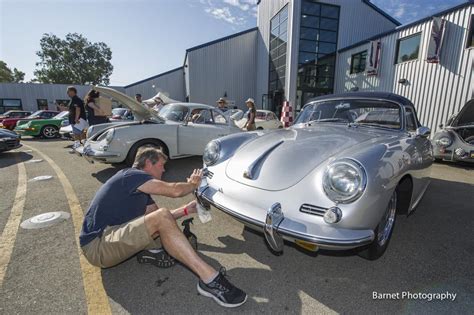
point(138, 97)
point(252, 113)
point(222, 104)
point(158, 104)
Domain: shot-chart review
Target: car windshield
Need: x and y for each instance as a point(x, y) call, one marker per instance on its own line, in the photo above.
point(61, 115)
point(174, 112)
point(119, 111)
point(369, 112)
point(35, 114)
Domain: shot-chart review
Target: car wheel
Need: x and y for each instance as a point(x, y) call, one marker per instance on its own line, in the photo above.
point(470, 140)
point(144, 143)
point(383, 232)
point(49, 132)
point(280, 127)
point(260, 128)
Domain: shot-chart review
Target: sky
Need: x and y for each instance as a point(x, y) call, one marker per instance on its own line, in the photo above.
point(147, 37)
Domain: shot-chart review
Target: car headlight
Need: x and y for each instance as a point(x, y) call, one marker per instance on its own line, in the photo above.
point(444, 141)
point(211, 152)
point(65, 123)
point(108, 135)
point(344, 181)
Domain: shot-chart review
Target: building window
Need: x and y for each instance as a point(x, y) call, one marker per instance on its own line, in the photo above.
point(470, 35)
point(408, 48)
point(358, 62)
point(42, 104)
point(317, 50)
point(7, 104)
point(277, 67)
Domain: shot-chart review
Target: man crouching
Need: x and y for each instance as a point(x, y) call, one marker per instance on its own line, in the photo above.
point(123, 220)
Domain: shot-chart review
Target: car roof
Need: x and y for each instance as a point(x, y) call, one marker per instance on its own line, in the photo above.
point(373, 95)
point(194, 105)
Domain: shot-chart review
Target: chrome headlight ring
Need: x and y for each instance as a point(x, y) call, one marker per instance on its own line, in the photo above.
point(108, 136)
point(344, 180)
point(211, 153)
point(444, 141)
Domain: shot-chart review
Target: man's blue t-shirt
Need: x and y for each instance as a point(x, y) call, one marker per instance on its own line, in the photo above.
point(117, 202)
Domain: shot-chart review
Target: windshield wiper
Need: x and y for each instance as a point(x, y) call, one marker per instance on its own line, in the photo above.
point(327, 120)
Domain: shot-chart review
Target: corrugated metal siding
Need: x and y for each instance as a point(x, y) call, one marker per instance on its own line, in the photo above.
point(226, 67)
point(171, 83)
point(30, 92)
point(437, 90)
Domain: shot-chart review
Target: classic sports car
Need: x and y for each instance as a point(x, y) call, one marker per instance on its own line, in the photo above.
point(14, 114)
point(9, 140)
point(264, 119)
point(334, 180)
point(181, 130)
point(46, 128)
point(10, 123)
point(455, 141)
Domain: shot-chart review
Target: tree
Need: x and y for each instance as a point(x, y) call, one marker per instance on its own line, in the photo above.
point(73, 60)
point(7, 75)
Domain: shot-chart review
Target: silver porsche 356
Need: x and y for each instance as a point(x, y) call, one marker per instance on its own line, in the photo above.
point(455, 141)
point(334, 180)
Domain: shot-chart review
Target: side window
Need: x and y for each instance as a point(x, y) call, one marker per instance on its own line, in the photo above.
point(218, 118)
point(410, 120)
point(203, 117)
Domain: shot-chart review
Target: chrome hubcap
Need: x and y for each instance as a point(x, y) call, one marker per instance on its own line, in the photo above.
point(49, 131)
point(386, 225)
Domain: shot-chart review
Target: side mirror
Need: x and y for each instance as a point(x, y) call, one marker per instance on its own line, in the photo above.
point(424, 132)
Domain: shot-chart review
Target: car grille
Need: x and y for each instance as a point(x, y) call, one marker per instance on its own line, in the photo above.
point(12, 143)
point(314, 210)
point(208, 174)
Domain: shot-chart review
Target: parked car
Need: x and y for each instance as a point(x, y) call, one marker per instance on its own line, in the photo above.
point(455, 141)
point(10, 123)
point(119, 114)
point(264, 119)
point(331, 181)
point(174, 130)
point(46, 128)
point(14, 114)
point(9, 140)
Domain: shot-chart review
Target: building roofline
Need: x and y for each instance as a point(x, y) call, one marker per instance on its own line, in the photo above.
point(221, 39)
point(153, 77)
point(411, 24)
point(382, 12)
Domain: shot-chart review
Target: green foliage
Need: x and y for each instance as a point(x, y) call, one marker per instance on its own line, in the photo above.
point(73, 60)
point(7, 75)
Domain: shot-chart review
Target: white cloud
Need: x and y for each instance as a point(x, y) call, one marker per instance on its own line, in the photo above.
point(236, 12)
point(236, 3)
point(225, 15)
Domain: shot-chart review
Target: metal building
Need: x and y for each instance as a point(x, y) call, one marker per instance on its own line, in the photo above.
point(222, 68)
point(36, 96)
point(438, 90)
point(170, 83)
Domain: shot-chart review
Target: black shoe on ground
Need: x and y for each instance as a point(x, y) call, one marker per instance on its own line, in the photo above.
point(222, 291)
point(158, 257)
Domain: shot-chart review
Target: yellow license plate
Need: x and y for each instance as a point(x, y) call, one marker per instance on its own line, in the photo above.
point(307, 245)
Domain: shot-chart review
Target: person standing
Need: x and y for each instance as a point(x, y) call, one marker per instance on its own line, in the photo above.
point(77, 117)
point(93, 108)
point(222, 104)
point(252, 113)
point(138, 98)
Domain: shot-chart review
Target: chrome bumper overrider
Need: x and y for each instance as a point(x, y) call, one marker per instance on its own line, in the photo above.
point(276, 227)
point(91, 154)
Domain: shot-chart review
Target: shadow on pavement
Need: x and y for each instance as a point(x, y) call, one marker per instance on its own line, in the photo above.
point(461, 165)
point(13, 157)
point(431, 251)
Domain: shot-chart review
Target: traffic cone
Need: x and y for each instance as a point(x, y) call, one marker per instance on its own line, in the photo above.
point(286, 114)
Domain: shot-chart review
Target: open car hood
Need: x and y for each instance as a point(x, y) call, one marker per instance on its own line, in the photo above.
point(140, 111)
point(466, 116)
point(163, 97)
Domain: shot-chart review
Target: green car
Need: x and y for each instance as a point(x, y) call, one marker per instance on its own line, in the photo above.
point(46, 128)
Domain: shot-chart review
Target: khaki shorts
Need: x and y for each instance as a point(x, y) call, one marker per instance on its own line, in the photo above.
point(119, 242)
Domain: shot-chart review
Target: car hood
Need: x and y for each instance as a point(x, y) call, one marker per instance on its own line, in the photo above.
point(465, 117)
point(140, 111)
point(280, 159)
point(7, 134)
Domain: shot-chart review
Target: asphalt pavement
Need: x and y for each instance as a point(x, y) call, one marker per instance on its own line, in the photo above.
point(431, 251)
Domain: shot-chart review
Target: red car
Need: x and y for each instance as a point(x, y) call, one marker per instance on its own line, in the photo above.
point(10, 123)
point(14, 114)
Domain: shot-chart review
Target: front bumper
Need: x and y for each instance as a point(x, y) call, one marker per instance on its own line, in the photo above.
point(92, 155)
point(449, 154)
point(26, 132)
point(8, 144)
point(277, 227)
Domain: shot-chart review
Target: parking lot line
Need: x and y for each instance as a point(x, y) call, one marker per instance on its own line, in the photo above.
point(96, 297)
point(8, 237)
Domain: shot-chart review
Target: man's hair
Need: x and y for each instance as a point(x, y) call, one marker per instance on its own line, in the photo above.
point(153, 154)
point(138, 95)
point(71, 88)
